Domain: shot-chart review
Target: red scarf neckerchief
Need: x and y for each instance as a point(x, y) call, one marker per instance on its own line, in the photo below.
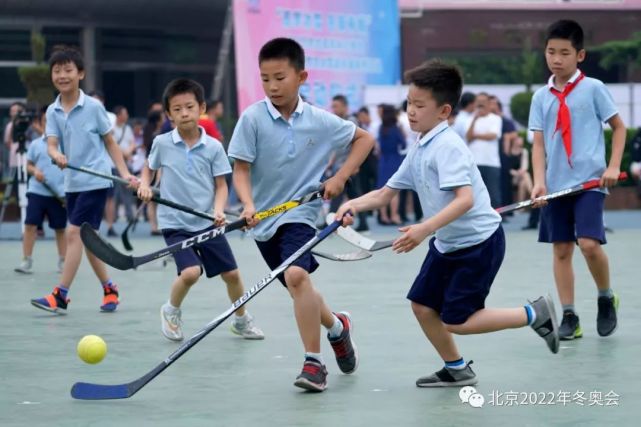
point(563, 120)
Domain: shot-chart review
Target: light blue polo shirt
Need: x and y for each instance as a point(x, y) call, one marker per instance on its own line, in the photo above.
point(80, 135)
point(590, 105)
point(437, 164)
point(188, 176)
point(288, 157)
point(54, 177)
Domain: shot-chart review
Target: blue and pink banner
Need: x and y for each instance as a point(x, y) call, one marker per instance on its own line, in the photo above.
point(348, 45)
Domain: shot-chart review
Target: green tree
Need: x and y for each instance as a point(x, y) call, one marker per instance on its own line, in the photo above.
point(36, 78)
point(621, 53)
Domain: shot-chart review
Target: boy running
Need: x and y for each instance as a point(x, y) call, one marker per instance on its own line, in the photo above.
point(193, 167)
point(281, 146)
point(78, 125)
point(448, 295)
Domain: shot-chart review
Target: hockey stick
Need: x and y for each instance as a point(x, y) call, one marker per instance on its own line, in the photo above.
point(155, 197)
point(579, 188)
point(57, 196)
point(130, 225)
point(107, 253)
point(357, 239)
point(88, 391)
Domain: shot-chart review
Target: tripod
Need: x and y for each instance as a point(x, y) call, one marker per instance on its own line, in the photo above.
point(19, 180)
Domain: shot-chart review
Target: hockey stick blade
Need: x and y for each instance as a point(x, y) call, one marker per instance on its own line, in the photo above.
point(89, 391)
point(357, 239)
point(104, 250)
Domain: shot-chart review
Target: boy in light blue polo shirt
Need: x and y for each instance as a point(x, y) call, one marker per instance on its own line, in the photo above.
point(192, 164)
point(567, 118)
point(281, 146)
point(79, 132)
point(448, 295)
point(44, 193)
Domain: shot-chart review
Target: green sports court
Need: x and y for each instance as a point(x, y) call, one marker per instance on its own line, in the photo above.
point(227, 381)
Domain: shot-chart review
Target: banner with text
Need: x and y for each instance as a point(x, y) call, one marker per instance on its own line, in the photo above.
point(348, 45)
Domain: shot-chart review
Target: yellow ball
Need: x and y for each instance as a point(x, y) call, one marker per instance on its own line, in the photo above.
point(92, 349)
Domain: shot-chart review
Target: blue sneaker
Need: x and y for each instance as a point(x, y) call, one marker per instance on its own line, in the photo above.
point(110, 299)
point(54, 302)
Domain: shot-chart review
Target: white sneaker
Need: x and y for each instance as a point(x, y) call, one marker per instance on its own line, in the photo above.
point(61, 264)
point(246, 328)
point(25, 266)
point(171, 323)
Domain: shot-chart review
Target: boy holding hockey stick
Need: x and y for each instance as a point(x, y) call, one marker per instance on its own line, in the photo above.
point(194, 166)
point(448, 295)
point(281, 146)
point(78, 131)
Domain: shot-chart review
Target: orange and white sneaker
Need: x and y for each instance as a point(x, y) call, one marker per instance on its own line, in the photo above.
point(54, 302)
point(171, 322)
point(110, 299)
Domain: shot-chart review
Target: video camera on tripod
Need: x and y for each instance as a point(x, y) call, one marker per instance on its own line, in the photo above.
point(20, 126)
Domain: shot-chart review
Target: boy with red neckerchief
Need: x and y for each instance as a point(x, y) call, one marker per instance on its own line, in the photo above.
point(567, 118)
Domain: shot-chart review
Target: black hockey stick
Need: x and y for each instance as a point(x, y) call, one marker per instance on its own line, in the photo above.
point(579, 188)
point(154, 198)
point(130, 226)
point(110, 255)
point(357, 239)
point(88, 391)
point(53, 192)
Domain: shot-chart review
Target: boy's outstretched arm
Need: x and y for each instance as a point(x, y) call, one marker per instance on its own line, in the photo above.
point(367, 202)
point(415, 234)
point(243, 186)
point(611, 175)
point(362, 144)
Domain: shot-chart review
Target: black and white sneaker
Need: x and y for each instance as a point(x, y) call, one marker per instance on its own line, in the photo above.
point(546, 325)
point(448, 377)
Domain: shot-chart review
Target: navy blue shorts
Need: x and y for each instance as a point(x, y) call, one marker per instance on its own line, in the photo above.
point(86, 206)
point(38, 206)
point(455, 284)
point(214, 255)
point(288, 239)
point(569, 218)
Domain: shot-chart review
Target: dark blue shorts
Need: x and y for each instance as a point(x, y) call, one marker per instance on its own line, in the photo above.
point(288, 239)
point(455, 284)
point(38, 206)
point(86, 206)
point(569, 218)
point(214, 255)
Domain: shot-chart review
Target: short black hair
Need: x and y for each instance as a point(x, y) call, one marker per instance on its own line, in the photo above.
point(566, 29)
point(118, 108)
point(283, 48)
point(443, 80)
point(466, 99)
point(97, 94)
point(364, 110)
point(340, 98)
point(63, 54)
point(180, 86)
point(213, 103)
